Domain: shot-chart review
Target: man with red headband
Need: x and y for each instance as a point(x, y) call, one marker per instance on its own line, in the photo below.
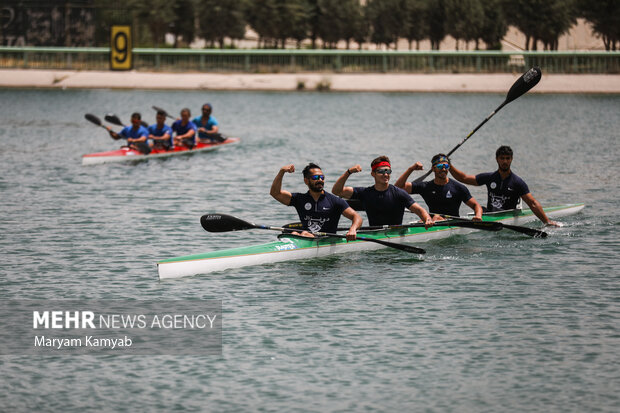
point(442, 195)
point(384, 203)
point(318, 210)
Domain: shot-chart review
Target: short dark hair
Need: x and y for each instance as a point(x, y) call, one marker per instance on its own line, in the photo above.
point(503, 150)
point(207, 105)
point(161, 112)
point(189, 112)
point(378, 159)
point(308, 167)
point(438, 157)
point(136, 115)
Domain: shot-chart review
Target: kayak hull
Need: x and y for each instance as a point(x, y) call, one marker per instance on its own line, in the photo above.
point(290, 247)
point(130, 155)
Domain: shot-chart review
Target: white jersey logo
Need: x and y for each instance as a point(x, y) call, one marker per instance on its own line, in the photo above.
point(448, 195)
point(493, 185)
point(308, 206)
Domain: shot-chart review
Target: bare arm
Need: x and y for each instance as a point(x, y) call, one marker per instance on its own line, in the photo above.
point(537, 209)
point(421, 212)
point(355, 224)
point(462, 176)
point(284, 197)
point(473, 204)
point(345, 191)
point(401, 182)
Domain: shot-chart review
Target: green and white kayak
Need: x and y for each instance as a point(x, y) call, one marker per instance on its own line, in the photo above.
point(290, 247)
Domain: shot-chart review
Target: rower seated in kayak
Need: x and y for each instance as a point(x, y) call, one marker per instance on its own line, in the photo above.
point(384, 203)
point(207, 126)
point(505, 188)
point(136, 134)
point(160, 134)
point(442, 195)
point(318, 210)
point(185, 130)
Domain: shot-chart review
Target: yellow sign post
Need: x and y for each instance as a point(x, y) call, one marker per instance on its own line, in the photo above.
point(120, 48)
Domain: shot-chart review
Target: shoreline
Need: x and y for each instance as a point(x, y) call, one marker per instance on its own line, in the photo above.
point(338, 82)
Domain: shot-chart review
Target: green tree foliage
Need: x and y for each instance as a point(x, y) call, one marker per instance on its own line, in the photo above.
point(340, 19)
point(386, 18)
point(436, 22)
point(157, 15)
point(605, 18)
point(494, 25)
point(464, 19)
point(416, 27)
point(279, 20)
point(183, 25)
point(544, 20)
point(219, 19)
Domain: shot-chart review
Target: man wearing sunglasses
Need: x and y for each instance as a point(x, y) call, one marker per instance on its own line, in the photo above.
point(442, 195)
point(318, 210)
point(384, 203)
point(504, 187)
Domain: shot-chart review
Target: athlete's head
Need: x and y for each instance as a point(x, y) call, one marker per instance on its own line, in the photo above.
point(503, 156)
point(313, 177)
point(381, 169)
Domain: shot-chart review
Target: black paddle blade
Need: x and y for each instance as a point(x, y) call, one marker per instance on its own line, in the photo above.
point(525, 230)
point(158, 109)
point(524, 83)
point(112, 118)
point(224, 223)
point(92, 118)
point(143, 123)
point(402, 247)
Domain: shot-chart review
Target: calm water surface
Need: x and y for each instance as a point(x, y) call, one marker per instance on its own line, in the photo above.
point(487, 322)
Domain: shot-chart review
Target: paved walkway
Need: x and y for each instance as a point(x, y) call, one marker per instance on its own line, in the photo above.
point(485, 83)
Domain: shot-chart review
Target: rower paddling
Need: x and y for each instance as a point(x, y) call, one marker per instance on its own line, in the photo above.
point(136, 134)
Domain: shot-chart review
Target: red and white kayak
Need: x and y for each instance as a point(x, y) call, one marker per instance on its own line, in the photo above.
point(126, 154)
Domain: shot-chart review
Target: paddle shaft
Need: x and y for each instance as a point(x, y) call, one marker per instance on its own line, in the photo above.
point(226, 223)
point(517, 228)
point(527, 81)
point(158, 109)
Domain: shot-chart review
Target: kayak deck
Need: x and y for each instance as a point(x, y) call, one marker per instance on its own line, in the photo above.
point(291, 247)
point(126, 154)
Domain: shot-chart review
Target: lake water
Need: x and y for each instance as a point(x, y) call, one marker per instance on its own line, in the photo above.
point(486, 322)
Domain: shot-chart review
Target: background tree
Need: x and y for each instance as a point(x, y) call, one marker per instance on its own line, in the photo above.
point(183, 24)
point(157, 15)
point(261, 15)
point(605, 18)
point(339, 19)
point(464, 19)
point(436, 22)
point(416, 16)
point(494, 26)
point(386, 19)
point(219, 19)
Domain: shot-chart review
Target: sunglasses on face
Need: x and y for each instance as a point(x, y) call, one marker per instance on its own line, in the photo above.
point(317, 177)
point(384, 171)
point(441, 166)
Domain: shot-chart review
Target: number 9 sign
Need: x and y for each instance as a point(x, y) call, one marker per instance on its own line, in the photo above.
point(120, 48)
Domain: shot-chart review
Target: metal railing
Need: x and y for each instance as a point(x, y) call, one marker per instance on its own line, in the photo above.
point(295, 60)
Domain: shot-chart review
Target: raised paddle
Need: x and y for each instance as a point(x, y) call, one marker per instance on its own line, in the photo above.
point(95, 120)
point(527, 81)
point(524, 230)
point(227, 223)
point(112, 118)
point(158, 109)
